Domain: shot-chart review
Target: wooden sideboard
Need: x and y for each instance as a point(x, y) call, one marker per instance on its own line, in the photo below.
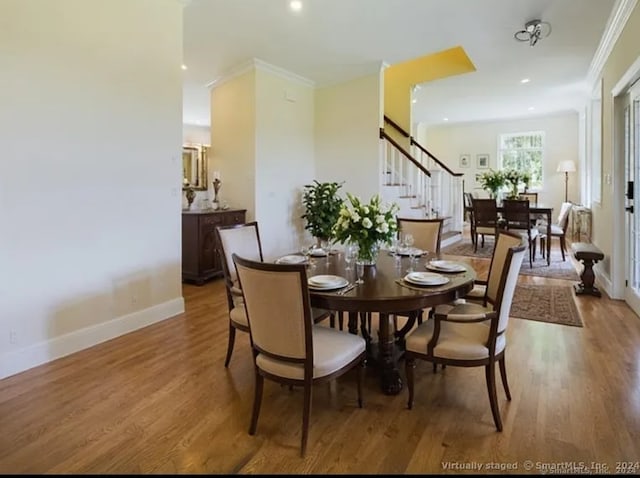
point(200, 256)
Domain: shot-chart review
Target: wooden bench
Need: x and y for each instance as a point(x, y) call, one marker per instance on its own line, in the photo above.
point(588, 254)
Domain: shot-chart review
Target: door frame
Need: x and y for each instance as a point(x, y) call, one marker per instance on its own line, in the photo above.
point(618, 254)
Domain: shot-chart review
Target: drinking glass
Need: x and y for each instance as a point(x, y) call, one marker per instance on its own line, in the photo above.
point(407, 241)
point(349, 255)
point(360, 272)
point(395, 244)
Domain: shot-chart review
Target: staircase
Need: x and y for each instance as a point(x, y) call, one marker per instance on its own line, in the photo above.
point(421, 185)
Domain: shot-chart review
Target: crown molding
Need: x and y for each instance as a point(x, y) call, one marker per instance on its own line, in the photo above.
point(257, 64)
point(617, 20)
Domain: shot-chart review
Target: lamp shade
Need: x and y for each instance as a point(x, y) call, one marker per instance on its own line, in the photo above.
point(567, 166)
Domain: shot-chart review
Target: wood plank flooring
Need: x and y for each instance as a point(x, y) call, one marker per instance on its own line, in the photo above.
point(159, 400)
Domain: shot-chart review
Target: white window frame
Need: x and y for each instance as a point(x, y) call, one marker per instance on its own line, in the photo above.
point(502, 136)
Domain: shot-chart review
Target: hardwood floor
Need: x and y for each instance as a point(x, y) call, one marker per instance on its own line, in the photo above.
point(159, 400)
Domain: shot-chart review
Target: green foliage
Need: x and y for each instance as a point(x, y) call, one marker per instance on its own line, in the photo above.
point(322, 208)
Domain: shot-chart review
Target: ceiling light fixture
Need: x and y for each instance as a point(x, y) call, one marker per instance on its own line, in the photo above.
point(184, 67)
point(295, 5)
point(534, 30)
point(525, 80)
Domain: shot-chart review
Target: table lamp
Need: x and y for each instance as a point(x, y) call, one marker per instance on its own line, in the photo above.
point(566, 167)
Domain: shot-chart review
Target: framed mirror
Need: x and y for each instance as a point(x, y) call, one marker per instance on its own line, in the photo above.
point(194, 166)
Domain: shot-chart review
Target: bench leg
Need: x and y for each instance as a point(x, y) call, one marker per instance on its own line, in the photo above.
point(588, 278)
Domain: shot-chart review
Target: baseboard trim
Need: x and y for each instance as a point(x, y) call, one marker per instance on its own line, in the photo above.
point(603, 282)
point(31, 356)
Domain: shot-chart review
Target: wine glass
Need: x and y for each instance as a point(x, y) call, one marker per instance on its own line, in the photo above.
point(360, 272)
point(408, 243)
point(349, 255)
point(395, 244)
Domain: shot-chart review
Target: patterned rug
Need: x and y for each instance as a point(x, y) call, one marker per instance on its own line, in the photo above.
point(545, 303)
point(558, 269)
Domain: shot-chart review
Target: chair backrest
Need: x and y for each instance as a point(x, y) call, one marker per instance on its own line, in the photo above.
point(485, 212)
point(505, 265)
point(242, 239)
point(468, 199)
point(278, 309)
point(531, 197)
point(563, 216)
point(516, 213)
point(427, 233)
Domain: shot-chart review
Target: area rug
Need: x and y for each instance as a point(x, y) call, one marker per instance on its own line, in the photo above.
point(545, 303)
point(558, 269)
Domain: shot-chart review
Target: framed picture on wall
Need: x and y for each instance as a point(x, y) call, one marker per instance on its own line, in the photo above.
point(465, 160)
point(478, 182)
point(483, 161)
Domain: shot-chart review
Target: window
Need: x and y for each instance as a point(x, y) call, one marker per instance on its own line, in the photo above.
point(523, 152)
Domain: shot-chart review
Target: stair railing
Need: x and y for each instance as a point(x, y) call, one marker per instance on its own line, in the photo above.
point(443, 196)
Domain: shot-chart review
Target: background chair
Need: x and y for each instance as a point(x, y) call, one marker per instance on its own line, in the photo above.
point(468, 206)
point(518, 219)
point(287, 347)
point(485, 217)
point(427, 233)
point(473, 335)
point(531, 197)
point(244, 240)
point(558, 230)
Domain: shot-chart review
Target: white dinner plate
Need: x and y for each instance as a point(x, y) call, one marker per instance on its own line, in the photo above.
point(292, 259)
point(406, 252)
point(326, 282)
point(426, 278)
point(317, 253)
point(445, 266)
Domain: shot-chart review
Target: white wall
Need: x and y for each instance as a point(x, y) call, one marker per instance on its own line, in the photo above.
point(348, 119)
point(447, 143)
point(90, 158)
point(284, 159)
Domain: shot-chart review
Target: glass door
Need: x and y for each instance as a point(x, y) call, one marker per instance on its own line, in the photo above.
point(632, 197)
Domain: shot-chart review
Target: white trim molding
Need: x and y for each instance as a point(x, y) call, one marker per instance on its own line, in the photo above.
point(23, 359)
point(257, 64)
point(618, 19)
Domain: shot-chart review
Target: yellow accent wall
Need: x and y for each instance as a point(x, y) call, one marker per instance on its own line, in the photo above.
point(400, 78)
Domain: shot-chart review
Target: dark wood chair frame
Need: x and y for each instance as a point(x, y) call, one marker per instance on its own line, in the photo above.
point(485, 214)
point(489, 362)
point(233, 326)
point(561, 237)
point(518, 217)
point(308, 380)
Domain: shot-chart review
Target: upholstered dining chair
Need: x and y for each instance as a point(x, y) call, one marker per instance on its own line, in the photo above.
point(287, 347)
point(485, 218)
point(559, 229)
point(244, 240)
point(517, 215)
point(468, 205)
point(427, 235)
point(473, 335)
point(531, 197)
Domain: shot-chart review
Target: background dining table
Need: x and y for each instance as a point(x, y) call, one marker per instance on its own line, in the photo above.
point(383, 293)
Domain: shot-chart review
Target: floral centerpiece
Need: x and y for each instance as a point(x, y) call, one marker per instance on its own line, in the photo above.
point(513, 179)
point(322, 207)
point(367, 225)
point(492, 181)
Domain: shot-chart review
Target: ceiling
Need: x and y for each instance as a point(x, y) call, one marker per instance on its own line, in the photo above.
point(332, 41)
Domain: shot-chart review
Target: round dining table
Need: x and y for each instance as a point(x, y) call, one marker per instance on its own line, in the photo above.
point(384, 291)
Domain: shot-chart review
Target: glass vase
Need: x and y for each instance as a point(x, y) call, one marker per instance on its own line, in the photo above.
point(367, 254)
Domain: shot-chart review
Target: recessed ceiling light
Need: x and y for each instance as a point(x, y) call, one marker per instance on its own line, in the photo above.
point(525, 80)
point(414, 101)
point(445, 119)
point(184, 67)
point(295, 5)
point(531, 108)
